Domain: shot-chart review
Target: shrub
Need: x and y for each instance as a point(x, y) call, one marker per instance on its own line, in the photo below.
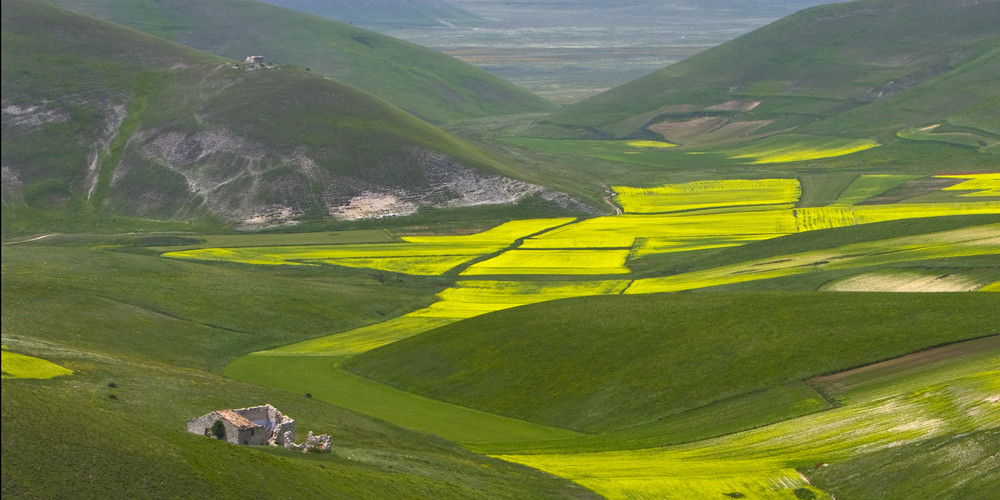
point(219, 430)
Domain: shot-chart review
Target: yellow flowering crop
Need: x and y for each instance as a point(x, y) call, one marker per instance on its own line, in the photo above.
point(980, 184)
point(419, 255)
point(792, 148)
point(979, 240)
point(650, 144)
point(504, 234)
point(708, 194)
point(553, 262)
point(21, 366)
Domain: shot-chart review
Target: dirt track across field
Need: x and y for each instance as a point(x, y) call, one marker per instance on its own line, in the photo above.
point(851, 379)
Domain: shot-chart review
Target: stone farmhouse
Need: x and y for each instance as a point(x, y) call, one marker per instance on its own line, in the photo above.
point(255, 425)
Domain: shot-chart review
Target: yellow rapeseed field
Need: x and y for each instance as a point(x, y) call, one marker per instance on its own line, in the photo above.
point(16, 365)
point(553, 262)
point(418, 255)
point(761, 463)
point(708, 194)
point(979, 240)
point(979, 184)
point(813, 218)
point(792, 148)
point(650, 144)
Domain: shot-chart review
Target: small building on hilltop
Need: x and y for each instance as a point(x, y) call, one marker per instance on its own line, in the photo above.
point(255, 60)
point(255, 425)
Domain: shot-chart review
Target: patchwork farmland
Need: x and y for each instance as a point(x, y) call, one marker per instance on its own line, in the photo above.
point(500, 270)
point(769, 271)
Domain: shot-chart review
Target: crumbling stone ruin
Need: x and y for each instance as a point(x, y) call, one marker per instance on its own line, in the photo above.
point(322, 443)
point(256, 425)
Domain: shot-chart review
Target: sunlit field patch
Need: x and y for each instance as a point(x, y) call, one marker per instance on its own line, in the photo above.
point(528, 292)
point(979, 184)
point(762, 463)
point(418, 255)
point(425, 266)
point(650, 246)
point(682, 225)
point(466, 299)
point(708, 194)
point(365, 338)
point(410, 258)
point(16, 365)
point(650, 144)
point(866, 186)
point(564, 243)
point(553, 262)
point(813, 218)
point(980, 240)
point(792, 148)
point(914, 280)
point(503, 234)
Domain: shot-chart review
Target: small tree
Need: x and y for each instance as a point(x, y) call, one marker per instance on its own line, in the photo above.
point(219, 430)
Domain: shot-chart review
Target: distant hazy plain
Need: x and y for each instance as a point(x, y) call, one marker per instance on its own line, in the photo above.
point(570, 51)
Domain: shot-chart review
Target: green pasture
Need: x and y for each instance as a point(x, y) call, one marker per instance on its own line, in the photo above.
point(788, 148)
point(187, 314)
point(424, 82)
point(176, 243)
point(119, 406)
point(942, 401)
point(653, 356)
point(323, 379)
point(866, 186)
point(934, 133)
point(143, 336)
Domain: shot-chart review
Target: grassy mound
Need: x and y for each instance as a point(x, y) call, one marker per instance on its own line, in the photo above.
point(882, 65)
point(100, 119)
point(598, 363)
point(427, 83)
point(142, 336)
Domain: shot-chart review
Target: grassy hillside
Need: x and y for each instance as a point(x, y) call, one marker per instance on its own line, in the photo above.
point(431, 85)
point(816, 64)
point(397, 12)
point(144, 337)
point(100, 120)
point(651, 356)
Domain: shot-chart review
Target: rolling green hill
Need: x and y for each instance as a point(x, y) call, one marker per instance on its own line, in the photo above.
point(100, 120)
point(431, 85)
point(870, 67)
point(396, 12)
point(648, 357)
point(145, 337)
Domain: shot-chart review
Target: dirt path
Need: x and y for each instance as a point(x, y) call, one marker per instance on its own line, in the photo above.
point(608, 199)
point(851, 379)
point(36, 238)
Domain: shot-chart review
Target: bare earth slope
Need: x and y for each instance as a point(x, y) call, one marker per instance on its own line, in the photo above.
point(98, 118)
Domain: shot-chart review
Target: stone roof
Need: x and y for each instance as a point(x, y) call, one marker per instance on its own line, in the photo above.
point(236, 419)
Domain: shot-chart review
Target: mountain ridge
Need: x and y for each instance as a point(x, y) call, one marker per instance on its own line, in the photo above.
point(424, 82)
point(100, 119)
point(805, 68)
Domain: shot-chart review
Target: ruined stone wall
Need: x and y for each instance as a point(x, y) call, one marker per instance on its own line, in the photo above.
point(202, 425)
